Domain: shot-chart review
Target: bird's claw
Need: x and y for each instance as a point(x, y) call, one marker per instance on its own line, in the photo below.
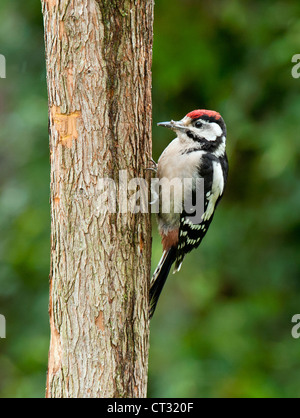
point(154, 167)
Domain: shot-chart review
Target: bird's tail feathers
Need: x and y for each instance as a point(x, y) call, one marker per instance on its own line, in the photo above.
point(160, 276)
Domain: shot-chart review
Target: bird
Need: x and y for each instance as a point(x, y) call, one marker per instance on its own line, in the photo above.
point(198, 152)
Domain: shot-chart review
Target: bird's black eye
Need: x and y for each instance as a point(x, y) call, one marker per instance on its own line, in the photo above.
point(198, 124)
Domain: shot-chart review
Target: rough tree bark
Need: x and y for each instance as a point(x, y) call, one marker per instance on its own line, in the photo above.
point(98, 55)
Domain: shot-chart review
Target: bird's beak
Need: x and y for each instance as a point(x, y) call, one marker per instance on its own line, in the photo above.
point(175, 126)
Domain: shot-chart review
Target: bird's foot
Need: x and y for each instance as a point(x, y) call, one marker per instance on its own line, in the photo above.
point(153, 167)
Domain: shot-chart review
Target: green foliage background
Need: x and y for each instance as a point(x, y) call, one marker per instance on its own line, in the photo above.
point(223, 324)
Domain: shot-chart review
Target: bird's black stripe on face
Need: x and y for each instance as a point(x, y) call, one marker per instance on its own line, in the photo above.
point(210, 146)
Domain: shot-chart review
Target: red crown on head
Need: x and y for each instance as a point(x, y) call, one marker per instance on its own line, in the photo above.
point(196, 114)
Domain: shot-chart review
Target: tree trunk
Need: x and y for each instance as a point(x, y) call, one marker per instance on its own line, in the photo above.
point(99, 55)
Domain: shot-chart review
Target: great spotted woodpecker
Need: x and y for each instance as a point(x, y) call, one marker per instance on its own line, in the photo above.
point(199, 151)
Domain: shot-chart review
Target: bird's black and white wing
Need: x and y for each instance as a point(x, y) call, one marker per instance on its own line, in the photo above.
point(191, 234)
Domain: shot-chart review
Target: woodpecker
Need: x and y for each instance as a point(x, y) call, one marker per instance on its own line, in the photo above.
point(198, 151)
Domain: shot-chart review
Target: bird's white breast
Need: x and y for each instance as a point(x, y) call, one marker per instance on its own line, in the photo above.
point(173, 163)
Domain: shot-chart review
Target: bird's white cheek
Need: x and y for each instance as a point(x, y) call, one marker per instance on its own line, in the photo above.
point(210, 136)
point(214, 132)
point(217, 129)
